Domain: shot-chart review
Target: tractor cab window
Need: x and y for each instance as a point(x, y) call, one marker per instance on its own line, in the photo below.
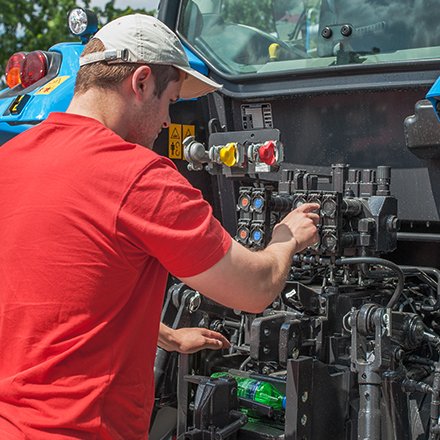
point(244, 37)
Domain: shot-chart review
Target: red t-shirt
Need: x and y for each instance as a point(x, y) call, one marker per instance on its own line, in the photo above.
point(90, 226)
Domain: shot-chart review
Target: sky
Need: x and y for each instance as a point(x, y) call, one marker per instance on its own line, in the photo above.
point(145, 4)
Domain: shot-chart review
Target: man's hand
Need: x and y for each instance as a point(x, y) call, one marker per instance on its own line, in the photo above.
point(190, 340)
point(300, 225)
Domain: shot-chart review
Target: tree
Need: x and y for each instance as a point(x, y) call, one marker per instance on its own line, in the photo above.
point(29, 25)
point(258, 14)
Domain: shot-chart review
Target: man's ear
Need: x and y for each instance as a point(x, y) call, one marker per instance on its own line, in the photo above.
point(142, 82)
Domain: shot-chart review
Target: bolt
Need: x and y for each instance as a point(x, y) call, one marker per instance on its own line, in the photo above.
point(266, 331)
point(304, 420)
point(194, 302)
point(305, 396)
point(266, 349)
point(295, 353)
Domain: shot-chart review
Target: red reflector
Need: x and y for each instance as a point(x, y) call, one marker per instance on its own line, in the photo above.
point(13, 69)
point(34, 68)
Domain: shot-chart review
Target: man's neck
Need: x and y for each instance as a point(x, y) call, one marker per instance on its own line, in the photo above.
point(106, 107)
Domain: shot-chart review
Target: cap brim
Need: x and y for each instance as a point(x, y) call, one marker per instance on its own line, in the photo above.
point(196, 84)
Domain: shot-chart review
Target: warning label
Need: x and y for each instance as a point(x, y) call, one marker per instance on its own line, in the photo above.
point(188, 130)
point(176, 133)
point(52, 85)
point(175, 141)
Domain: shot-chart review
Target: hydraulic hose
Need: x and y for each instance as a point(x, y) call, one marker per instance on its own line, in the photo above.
point(430, 271)
point(380, 262)
point(420, 237)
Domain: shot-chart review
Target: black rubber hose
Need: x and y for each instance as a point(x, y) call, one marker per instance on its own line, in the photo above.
point(426, 270)
point(380, 262)
point(414, 236)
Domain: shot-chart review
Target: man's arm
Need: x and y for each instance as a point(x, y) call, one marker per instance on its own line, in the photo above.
point(248, 280)
point(190, 340)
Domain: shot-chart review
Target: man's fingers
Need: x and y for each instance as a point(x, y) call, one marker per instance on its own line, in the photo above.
point(308, 207)
point(313, 216)
point(212, 335)
point(213, 344)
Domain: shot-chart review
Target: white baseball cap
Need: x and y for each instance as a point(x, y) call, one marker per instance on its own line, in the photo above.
point(143, 39)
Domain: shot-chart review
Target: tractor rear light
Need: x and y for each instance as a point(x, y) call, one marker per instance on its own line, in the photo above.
point(35, 67)
point(13, 69)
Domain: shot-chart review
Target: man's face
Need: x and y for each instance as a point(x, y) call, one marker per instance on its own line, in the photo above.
point(153, 114)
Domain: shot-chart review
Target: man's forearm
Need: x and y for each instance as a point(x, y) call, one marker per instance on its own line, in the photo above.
point(248, 280)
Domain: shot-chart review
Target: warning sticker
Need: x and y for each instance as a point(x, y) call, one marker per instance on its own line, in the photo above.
point(175, 141)
point(52, 85)
point(176, 133)
point(188, 130)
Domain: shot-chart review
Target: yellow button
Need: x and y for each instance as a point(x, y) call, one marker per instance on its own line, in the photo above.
point(228, 154)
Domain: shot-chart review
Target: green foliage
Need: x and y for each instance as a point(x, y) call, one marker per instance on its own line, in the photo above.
point(29, 25)
point(110, 12)
point(256, 13)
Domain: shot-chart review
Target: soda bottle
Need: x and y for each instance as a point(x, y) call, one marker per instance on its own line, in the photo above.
point(257, 390)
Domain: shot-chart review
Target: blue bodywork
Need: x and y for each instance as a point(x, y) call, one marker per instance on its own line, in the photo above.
point(39, 105)
point(433, 96)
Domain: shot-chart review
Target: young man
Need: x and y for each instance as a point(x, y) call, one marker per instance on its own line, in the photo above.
point(91, 224)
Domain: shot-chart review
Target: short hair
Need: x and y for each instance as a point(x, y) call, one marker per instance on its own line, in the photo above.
point(109, 76)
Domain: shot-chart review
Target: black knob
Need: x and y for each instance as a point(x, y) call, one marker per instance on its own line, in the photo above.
point(326, 32)
point(346, 30)
point(383, 174)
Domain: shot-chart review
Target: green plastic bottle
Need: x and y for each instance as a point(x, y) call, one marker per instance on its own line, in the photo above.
point(257, 390)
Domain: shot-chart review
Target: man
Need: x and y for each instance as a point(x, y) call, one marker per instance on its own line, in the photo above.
point(90, 226)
